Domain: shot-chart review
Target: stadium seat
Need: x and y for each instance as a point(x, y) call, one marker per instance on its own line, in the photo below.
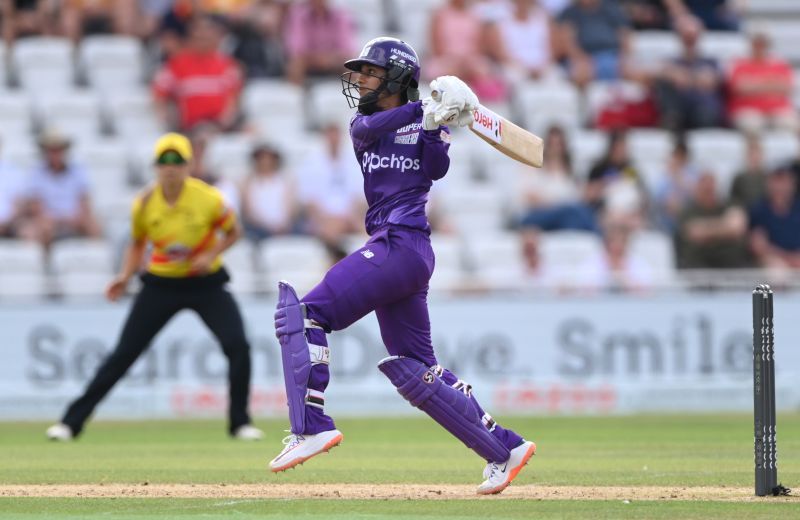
point(770, 8)
point(541, 105)
point(567, 256)
point(16, 116)
point(650, 150)
point(650, 49)
point(21, 152)
point(23, 270)
point(83, 267)
point(106, 163)
point(475, 210)
point(587, 147)
point(4, 79)
point(44, 64)
point(496, 259)
point(275, 106)
point(112, 62)
point(76, 113)
point(243, 265)
point(132, 114)
point(17, 256)
point(721, 151)
point(228, 155)
point(724, 46)
point(779, 147)
point(449, 272)
point(327, 103)
point(658, 252)
point(301, 260)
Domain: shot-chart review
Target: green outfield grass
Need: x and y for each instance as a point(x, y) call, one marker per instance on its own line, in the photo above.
point(672, 450)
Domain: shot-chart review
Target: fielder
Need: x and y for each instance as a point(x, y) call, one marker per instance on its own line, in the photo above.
point(402, 147)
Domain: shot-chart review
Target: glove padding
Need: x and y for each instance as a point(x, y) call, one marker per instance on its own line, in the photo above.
point(457, 100)
point(430, 108)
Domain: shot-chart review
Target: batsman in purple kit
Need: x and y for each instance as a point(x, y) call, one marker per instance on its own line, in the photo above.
point(402, 148)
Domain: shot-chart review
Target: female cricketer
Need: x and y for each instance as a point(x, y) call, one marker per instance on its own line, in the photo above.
point(184, 219)
point(402, 149)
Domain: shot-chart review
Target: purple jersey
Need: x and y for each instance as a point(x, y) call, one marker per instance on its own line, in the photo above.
point(399, 161)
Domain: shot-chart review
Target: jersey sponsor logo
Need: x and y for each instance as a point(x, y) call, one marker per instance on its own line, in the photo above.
point(413, 127)
point(367, 254)
point(407, 139)
point(373, 161)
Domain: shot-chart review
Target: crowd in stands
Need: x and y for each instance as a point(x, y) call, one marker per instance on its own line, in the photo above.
point(203, 53)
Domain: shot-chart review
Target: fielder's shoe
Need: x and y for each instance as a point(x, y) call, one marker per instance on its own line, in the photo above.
point(499, 475)
point(60, 432)
point(300, 448)
point(248, 432)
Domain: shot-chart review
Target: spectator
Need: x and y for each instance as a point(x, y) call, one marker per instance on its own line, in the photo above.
point(712, 234)
point(81, 18)
point(675, 187)
point(23, 18)
point(615, 185)
point(530, 249)
point(524, 40)
point(257, 35)
point(760, 90)
point(10, 192)
point(595, 37)
point(57, 199)
point(749, 185)
point(201, 137)
point(331, 192)
point(172, 28)
point(775, 221)
point(319, 38)
point(551, 196)
point(618, 269)
point(457, 39)
point(716, 15)
point(268, 196)
point(647, 14)
point(202, 82)
point(688, 90)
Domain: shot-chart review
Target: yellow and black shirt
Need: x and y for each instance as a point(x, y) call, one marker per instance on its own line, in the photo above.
point(180, 231)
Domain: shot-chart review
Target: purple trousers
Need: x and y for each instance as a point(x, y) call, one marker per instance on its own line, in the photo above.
point(390, 276)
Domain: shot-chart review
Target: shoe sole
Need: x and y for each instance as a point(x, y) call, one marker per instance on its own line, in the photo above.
point(514, 472)
point(330, 445)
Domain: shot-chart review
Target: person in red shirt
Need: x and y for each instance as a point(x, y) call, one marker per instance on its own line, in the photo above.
point(202, 82)
point(760, 89)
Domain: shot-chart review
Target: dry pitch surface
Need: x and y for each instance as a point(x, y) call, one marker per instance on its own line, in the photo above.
point(384, 492)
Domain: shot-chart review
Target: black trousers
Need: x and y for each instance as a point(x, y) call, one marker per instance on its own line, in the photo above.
point(159, 300)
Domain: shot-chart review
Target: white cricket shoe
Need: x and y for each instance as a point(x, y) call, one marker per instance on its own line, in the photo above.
point(300, 448)
point(499, 475)
point(248, 432)
point(60, 432)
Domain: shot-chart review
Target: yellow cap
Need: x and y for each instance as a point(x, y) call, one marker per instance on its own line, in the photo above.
point(174, 142)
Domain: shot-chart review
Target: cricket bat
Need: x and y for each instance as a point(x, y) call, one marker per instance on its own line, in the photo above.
point(510, 139)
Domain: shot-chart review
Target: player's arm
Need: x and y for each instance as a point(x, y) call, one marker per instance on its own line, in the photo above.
point(228, 224)
point(366, 129)
point(134, 251)
point(131, 263)
point(435, 161)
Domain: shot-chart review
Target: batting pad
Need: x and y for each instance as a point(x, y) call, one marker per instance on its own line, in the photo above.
point(290, 328)
point(449, 407)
